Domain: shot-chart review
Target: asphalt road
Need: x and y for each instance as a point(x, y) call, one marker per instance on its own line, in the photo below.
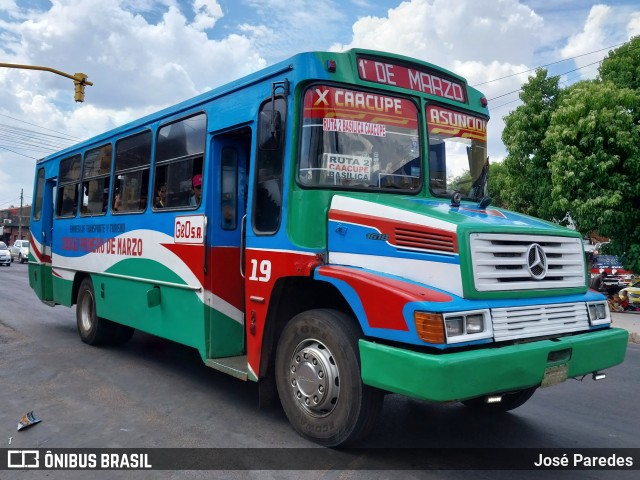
point(155, 393)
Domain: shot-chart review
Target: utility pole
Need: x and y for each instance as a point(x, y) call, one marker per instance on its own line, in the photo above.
point(79, 79)
point(20, 218)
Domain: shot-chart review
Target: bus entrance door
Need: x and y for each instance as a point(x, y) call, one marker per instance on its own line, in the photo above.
point(40, 271)
point(226, 204)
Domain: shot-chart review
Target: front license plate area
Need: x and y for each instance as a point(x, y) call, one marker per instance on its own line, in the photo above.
point(554, 375)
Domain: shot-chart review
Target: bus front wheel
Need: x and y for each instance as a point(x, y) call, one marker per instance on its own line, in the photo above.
point(94, 330)
point(318, 379)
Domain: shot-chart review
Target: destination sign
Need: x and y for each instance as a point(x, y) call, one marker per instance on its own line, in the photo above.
point(419, 80)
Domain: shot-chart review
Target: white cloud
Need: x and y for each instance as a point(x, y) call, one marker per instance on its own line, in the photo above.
point(137, 65)
point(605, 26)
point(592, 36)
point(207, 13)
point(442, 31)
point(633, 28)
point(8, 6)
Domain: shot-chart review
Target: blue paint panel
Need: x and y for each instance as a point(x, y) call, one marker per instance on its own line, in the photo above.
point(351, 238)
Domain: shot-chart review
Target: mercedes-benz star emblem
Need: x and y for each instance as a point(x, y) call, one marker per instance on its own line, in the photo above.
point(536, 262)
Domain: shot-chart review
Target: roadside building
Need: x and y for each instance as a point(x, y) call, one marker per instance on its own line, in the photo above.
point(14, 225)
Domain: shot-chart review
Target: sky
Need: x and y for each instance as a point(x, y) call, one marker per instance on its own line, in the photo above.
point(144, 55)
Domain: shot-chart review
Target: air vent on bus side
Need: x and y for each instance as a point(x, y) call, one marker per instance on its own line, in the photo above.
point(415, 239)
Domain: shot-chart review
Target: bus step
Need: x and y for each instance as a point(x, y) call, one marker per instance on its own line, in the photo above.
point(235, 366)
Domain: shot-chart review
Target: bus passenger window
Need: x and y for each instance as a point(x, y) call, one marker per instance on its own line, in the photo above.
point(131, 179)
point(68, 187)
point(95, 180)
point(179, 162)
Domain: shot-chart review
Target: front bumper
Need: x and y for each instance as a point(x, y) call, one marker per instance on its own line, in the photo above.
point(469, 374)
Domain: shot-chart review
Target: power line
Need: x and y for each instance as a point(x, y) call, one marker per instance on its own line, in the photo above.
point(7, 202)
point(493, 109)
point(70, 137)
point(548, 64)
point(555, 76)
point(17, 153)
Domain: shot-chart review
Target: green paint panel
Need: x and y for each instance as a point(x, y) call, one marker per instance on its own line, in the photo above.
point(62, 291)
point(226, 336)
point(40, 280)
point(144, 268)
point(463, 375)
point(179, 316)
point(170, 312)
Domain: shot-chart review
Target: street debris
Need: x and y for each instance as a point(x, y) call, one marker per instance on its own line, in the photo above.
point(28, 420)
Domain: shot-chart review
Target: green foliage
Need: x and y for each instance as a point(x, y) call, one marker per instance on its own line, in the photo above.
point(498, 183)
point(577, 150)
point(595, 165)
point(622, 66)
point(461, 183)
point(528, 189)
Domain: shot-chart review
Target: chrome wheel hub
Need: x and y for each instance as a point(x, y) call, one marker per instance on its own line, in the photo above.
point(86, 311)
point(314, 378)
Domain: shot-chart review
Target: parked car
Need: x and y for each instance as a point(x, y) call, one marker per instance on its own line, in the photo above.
point(5, 256)
point(20, 251)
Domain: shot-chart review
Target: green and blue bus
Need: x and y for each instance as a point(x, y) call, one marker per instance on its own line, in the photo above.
point(321, 227)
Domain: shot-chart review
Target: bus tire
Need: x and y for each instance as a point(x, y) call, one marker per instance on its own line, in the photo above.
point(318, 379)
point(509, 401)
point(92, 329)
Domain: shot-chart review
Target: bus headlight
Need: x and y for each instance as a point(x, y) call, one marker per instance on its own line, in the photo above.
point(599, 313)
point(468, 326)
point(455, 327)
point(475, 323)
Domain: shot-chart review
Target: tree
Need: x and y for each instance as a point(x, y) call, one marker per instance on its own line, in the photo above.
point(577, 150)
point(528, 189)
point(498, 183)
point(594, 137)
point(622, 66)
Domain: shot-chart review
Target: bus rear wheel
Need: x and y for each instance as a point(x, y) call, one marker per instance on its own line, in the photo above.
point(509, 401)
point(94, 330)
point(318, 379)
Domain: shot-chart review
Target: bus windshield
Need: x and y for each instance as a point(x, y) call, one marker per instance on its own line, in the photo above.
point(457, 153)
point(359, 140)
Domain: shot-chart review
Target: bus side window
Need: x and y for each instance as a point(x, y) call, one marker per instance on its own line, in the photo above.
point(179, 163)
point(267, 202)
point(95, 180)
point(131, 180)
point(68, 187)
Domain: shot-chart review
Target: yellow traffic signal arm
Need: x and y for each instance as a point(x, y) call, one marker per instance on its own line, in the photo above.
point(79, 79)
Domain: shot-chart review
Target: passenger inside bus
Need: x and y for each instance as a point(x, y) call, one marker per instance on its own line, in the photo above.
point(196, 195)
point(116, 201)
point(228, 216)
point(161, 198)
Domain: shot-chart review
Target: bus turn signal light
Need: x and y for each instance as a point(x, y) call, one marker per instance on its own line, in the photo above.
point(430, 327)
